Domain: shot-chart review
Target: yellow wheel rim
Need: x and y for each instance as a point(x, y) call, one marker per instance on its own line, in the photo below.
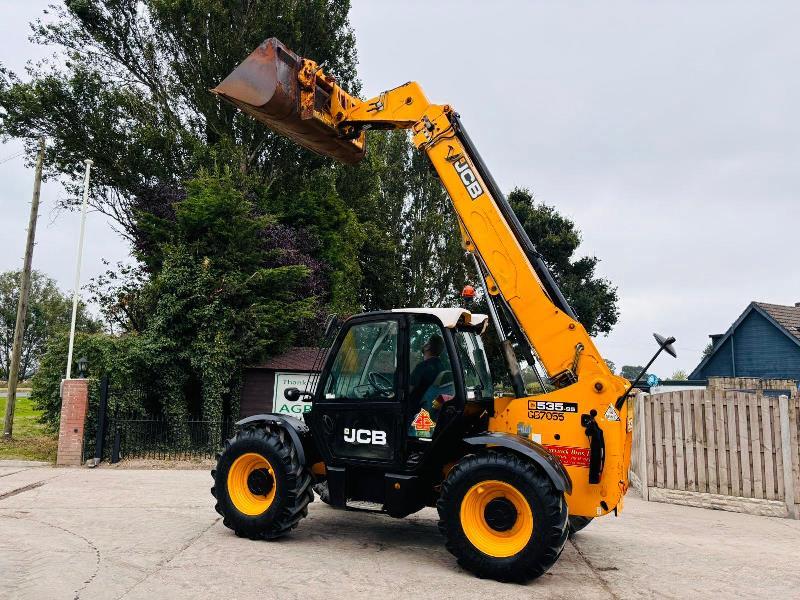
point(241, 485)
point(515, 531)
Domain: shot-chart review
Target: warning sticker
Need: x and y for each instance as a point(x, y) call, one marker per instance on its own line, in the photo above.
point(570, 456)
point(611, 413)
point(423, 421)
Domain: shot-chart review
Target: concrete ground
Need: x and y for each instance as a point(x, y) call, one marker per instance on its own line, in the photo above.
point(105, 533)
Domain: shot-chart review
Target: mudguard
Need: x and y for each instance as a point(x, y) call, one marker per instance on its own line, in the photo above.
point(294, 427)
point(536, 452)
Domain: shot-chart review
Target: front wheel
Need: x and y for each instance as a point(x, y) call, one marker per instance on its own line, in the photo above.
point(502, 518)
point(262, 490)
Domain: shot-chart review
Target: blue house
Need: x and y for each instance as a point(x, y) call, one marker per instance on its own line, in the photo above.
point(763, 342)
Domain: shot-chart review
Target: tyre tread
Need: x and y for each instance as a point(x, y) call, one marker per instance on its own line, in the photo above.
point(554, 516)
point(296, 494)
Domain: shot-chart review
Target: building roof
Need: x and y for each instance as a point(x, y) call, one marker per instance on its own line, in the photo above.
point(299, 358)
point(785, 318)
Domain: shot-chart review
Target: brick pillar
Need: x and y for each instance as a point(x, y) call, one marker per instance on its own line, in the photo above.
point(74, 404)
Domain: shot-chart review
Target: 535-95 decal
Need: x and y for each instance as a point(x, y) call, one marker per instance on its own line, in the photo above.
point(550, 411)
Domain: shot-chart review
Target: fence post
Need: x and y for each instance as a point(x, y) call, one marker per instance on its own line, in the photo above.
point(786, 448)
point(100, 435)
point(74, 404)
point(641, 430)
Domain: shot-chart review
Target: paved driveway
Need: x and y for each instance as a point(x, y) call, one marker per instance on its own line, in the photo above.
point(109, 533)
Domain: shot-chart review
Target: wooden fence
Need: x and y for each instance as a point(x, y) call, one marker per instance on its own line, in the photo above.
point(720, 449)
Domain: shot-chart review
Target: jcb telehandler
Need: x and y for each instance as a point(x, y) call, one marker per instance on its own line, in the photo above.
point(403, 414)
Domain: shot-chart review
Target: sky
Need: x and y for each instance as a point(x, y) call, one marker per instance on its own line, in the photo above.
point(669, 132)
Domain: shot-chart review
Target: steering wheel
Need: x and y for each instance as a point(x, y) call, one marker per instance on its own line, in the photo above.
point(382, 384)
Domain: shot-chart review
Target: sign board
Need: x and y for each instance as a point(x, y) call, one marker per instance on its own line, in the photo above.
point(287, 380)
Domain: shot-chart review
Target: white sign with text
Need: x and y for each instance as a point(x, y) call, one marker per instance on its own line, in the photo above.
point(283, 381)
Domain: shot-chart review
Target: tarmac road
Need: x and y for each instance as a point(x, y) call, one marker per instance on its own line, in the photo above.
point(113, 533)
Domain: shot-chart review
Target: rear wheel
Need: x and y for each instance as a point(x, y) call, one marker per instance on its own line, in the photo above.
point(501, 517)
point(262, 490)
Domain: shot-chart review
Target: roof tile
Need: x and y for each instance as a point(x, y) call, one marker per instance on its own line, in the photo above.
point(787, 316)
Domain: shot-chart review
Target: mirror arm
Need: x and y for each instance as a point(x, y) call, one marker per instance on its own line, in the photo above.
point(661, 346)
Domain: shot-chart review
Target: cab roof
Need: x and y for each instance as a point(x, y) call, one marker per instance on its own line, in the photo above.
point(450, 317)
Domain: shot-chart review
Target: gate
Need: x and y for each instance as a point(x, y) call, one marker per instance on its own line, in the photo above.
point(111, 434)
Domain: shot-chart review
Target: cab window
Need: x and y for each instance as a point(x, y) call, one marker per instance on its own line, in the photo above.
point(366, 364)
point(430, 380)
point(471, 354)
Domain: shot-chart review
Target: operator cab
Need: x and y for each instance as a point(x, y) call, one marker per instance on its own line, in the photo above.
point(396, 386)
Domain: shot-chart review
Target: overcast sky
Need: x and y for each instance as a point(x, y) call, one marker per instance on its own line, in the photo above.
point(669, 132)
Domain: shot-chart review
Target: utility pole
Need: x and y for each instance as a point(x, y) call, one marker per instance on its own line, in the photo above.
point(89, 163)
point(24, 293)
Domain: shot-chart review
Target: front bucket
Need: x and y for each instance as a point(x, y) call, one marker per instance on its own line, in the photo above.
point(266, 87)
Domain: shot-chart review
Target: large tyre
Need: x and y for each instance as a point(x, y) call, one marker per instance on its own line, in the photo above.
point(262, 490)
point(577, 523)
point(502, 518)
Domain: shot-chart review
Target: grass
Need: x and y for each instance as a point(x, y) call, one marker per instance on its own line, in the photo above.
point(31, 440)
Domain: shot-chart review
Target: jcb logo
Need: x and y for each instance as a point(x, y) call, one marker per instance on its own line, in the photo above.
point(468, 178)
point(365, 436)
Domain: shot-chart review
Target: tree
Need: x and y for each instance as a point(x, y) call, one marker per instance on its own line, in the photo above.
point(556, 237)
point(612, 367)
point(679, 375)
point(49, 313)
point(380, 182)
point(434, 260)
point(412, 254)
point(129, 89)
point(630, 372)
point(227, 286)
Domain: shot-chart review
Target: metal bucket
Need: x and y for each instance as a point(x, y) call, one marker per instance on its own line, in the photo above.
point(266, 85)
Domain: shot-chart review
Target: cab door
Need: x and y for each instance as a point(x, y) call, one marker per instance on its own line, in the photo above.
point(357, 411)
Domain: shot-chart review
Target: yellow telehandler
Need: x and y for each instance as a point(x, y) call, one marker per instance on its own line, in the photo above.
point(403, 413)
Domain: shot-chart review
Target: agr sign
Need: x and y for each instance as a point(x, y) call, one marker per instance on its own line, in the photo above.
point(286, 380)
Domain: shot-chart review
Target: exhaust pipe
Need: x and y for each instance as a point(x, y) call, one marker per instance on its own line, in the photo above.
point(292, 96)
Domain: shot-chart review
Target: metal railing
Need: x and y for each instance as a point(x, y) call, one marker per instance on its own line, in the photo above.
point(112, 433)
point(160, 438)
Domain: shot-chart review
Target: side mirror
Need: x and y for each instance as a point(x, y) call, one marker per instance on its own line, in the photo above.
point(666, 343)
point(292, 394)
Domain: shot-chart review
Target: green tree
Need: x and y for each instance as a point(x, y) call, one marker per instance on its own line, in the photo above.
point(49, 313)
point(630, 372)
point(224, 290)
point(380, 185)
point(679, 375)
point(612, 367)
point(129, 88)
point(557, 238)
point(412, 254)
point(435, 265)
